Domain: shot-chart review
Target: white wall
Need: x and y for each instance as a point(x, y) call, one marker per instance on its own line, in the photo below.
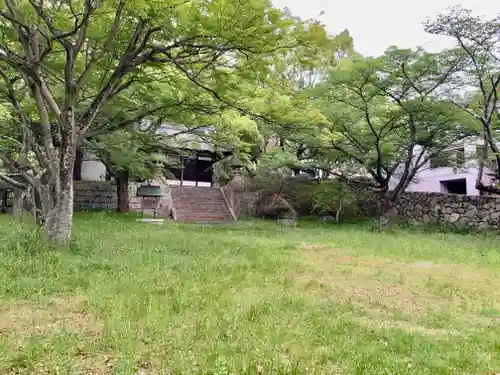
point(429, 180)
point(93, 170)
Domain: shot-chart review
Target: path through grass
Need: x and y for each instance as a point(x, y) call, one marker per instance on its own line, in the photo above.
point(247, 298)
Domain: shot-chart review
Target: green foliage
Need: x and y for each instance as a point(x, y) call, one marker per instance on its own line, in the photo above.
point(455, 157)
point(192, 63)
point(273, 206)
point(329, 198)
point(268, 179)
point(273, 177)
point(136, 153)
point(384, 115)
point(332, 198)
point(273, 169)
point(10, 134)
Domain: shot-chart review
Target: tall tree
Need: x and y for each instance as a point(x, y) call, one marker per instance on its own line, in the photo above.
point(127, 155)
point(77, 56)
point(295, 74)
point(478, 53)
point(385, 119)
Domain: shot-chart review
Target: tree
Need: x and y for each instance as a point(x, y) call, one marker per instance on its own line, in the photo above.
point(128, 155)
point(17, 149)
point(75, 57)
point(269, 178)
point(385, 119)
point(478, 53)
point(296, 73)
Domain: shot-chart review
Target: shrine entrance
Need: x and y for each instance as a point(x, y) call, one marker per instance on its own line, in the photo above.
point(196, 170)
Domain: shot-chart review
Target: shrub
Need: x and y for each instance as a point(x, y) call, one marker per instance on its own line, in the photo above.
point(280, 193)
point(269, 180)
point(329, 197)
point(274, 206)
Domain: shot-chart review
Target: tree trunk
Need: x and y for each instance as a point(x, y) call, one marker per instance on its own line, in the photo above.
point(339, 211)
point(77, 173)
point(59, 220)
point(32, 204)
point(123, 202)
point(389, 213)
point(17, 204)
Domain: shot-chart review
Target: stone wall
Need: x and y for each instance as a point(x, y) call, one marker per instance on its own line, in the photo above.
point(101, 196)
point(459, 211)
point(88, 196)
point(94, 196)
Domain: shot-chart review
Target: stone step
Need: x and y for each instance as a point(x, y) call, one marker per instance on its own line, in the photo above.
point(200, 204)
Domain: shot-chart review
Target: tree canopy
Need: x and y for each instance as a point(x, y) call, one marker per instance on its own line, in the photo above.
point(477, 82)
point(72, 64)
point(107, 75)
point(379, 119)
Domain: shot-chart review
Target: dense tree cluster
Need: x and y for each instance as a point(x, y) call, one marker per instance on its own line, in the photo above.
point(105, 75)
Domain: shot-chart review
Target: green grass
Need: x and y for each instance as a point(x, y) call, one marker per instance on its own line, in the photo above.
point(254, 298)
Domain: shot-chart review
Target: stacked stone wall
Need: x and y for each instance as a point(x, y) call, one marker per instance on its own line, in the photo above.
point(101, 196)
point(94, 196)
point(460, 211)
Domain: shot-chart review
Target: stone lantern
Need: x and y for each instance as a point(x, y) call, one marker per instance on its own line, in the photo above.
point(237, 182)
point(236, 187)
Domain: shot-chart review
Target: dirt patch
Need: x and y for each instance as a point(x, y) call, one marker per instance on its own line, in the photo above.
point(407, 327)
point(324, 258)
point(320, 253)
point(316, 246)
point(415, 288)
point(367, 294)
point(52, 315)
point(103, 365)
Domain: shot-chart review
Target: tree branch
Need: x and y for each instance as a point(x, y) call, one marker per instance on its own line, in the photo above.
point(16, 184)
point(122, 68)
point(96, 56)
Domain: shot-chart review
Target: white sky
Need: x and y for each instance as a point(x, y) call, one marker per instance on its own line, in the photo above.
point(378, 24)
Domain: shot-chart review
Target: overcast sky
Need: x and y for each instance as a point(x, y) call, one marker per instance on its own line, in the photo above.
point(378, 24)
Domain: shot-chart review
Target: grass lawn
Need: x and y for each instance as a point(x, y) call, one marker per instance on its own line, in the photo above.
point(251, 298)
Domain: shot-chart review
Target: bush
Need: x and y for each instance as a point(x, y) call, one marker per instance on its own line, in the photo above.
point(329, 197)
point(274, 206)
point(282, 194)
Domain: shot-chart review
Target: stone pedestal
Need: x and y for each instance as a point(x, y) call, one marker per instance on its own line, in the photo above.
point(164, 207)
point(234, 190)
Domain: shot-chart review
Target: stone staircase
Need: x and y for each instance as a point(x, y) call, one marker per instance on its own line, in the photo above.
point(200, 204)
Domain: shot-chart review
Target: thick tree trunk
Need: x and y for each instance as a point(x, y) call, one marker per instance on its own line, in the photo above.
point(123, 202)
point(17, 204)
point(389, 213)
point(59, 220)
point(77, 172)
